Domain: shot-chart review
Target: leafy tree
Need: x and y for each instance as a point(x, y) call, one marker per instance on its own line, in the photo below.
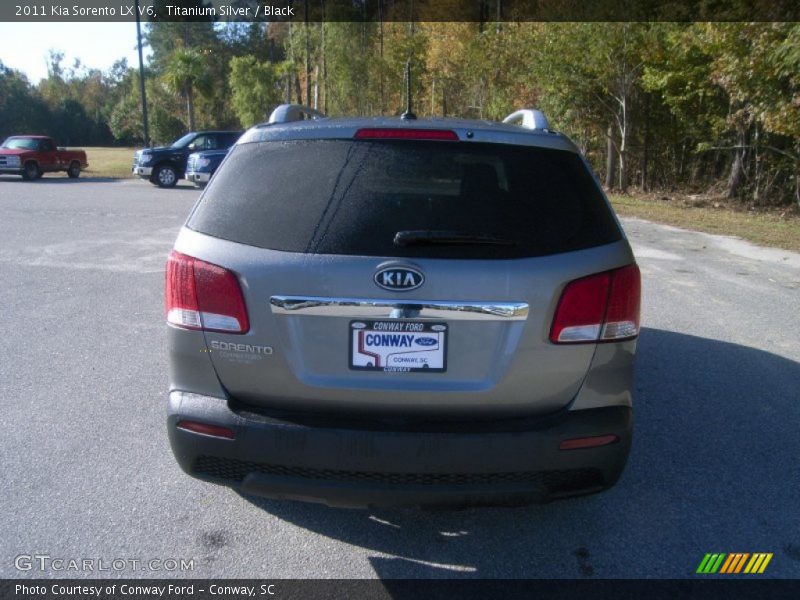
point(125, 121)
point(165, 37)
point(756, 64)
point(186, 73)
point(255, 87)
point(730, 88)
point(21, 109)
point(597, 67)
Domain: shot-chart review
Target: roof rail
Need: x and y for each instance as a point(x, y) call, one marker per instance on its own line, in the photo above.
point(286, 113)
point(529, 118)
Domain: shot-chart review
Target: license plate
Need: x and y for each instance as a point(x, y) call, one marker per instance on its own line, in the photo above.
point(398, 346)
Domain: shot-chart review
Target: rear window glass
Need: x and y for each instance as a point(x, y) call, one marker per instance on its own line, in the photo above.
point(354, 197)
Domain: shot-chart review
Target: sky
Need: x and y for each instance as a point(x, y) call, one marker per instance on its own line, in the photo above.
point(24, 46)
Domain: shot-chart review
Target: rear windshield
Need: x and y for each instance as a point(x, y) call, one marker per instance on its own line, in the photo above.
point(355, 197)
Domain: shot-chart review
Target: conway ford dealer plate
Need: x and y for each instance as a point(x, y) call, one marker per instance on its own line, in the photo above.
point(403, 346)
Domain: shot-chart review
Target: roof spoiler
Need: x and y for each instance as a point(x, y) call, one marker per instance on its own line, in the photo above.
point(287, 113)
point(529, 118)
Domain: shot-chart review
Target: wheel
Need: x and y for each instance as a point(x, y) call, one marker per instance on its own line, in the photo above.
point(74, 170)
point(31, 171)
point(165, 176)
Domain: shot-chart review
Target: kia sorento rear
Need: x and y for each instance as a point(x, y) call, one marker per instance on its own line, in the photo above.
point(390, 312)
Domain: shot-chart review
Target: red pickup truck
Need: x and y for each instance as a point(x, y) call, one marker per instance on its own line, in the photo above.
point(34, 155)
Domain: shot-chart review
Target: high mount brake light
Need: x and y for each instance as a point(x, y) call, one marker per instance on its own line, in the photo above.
point(200, 295)
point(390, 133)
point(599, 308)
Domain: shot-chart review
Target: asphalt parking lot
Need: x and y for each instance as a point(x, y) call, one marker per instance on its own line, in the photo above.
point(87, 471)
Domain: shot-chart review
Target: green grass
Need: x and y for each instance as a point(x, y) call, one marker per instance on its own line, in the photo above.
point(109, 162)
point(778, 228)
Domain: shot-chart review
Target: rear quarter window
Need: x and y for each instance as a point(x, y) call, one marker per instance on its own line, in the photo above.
point(353, 197)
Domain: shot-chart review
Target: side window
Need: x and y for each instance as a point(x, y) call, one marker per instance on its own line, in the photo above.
point(46, 146)
point(204, 142)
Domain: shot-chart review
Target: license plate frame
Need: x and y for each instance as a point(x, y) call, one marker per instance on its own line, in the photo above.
point(411, 355)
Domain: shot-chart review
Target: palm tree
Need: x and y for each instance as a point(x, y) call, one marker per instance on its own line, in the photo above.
point(186, 72)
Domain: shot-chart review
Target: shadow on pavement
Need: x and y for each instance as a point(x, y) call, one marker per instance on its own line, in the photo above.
point(57, 179)
point(714, 467)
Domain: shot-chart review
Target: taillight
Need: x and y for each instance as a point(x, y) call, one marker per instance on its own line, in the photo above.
point(624, 299)
point(602, 307)
point(200, 295)
point(391, 133)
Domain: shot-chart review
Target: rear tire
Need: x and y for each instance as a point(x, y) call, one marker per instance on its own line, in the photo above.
point(74, 170)
point(31, 171)
point(165, 176)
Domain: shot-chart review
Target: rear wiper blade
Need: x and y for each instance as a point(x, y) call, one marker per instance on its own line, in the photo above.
point(426, 237)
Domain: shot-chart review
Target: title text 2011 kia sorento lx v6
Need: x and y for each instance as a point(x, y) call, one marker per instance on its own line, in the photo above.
point(402, 312)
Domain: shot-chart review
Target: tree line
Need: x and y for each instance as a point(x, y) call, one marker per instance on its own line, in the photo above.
point(654, 106)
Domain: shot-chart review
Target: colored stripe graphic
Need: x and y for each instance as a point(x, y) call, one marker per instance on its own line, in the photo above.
point(728, 562)
point(703, 564)
point(734, 562)
point(758, 563)
point(741, 562)
point(710, 563)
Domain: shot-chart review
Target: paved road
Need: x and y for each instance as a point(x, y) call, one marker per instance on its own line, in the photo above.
point(86, 471)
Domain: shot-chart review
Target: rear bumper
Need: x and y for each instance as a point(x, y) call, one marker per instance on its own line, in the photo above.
point(359, 467)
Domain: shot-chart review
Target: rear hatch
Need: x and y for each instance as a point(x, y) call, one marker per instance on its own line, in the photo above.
point(411, 276)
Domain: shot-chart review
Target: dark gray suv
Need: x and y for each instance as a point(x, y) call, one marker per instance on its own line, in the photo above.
point(402, 312)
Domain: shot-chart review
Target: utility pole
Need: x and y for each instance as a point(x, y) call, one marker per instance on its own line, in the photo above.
point(380, 63)
point(308, 57)
point(141, 77)
point(324, 62)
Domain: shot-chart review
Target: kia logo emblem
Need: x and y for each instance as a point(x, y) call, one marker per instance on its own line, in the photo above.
point(399, 279)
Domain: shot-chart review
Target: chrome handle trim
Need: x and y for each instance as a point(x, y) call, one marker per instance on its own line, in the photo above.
point(367, 308)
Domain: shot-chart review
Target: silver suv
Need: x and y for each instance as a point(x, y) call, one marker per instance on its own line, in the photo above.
point(402, 312)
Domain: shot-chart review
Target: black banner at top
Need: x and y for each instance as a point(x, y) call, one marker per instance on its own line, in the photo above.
point(314, 11)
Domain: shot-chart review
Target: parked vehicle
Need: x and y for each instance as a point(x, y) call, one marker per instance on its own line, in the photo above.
point(34, 155)
point(396, 311)
point(165, 165)
point(201, 166)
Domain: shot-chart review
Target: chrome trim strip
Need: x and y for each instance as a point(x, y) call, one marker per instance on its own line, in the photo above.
point(389, 309)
